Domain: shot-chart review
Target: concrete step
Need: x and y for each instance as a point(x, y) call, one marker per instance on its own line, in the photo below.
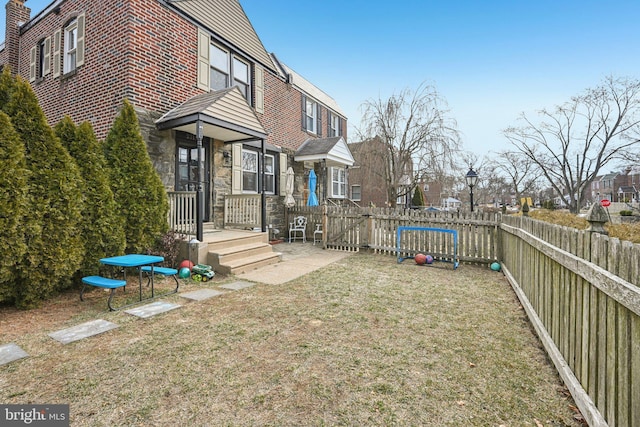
point(234, 239)
point(249, 263)
point(234, 252)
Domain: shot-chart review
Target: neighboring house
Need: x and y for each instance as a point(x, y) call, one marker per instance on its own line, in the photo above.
point(368, 178)
point(201, 82)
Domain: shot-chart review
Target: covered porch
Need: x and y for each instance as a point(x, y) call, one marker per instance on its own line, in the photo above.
point(217, 122)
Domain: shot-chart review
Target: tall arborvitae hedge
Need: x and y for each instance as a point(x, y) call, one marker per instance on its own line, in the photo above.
point(13, 207)
point(54, 245)
point(137, 188)
point(418, 197)
point(102, 227)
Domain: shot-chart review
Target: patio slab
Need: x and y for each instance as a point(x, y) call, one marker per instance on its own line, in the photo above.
point(84, 330)
point(152, 309)
point(201, 294)
point(11, 352)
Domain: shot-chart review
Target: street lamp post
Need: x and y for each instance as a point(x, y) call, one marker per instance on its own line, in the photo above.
point(472, 179)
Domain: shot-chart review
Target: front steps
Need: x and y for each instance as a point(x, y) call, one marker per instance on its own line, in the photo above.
point(236, 252)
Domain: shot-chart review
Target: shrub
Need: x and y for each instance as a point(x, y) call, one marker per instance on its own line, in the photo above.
point(102, 227)
point(168, 246)
point(55, 248)
point(13, 207)
point(138, 191)
point(626, 213)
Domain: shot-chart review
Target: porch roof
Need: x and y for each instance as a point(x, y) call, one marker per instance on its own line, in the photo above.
point(334, 150)
point(224, 114)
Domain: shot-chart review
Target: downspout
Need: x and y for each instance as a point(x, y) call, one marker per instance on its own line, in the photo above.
point(200, 192)
point(263, 153)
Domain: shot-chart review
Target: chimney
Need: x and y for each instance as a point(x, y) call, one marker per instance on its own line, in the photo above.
point(17, 15)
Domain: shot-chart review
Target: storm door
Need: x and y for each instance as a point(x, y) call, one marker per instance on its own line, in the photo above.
point(187, 167)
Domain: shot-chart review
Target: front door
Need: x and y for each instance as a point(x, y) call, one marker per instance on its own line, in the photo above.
point(187, 167)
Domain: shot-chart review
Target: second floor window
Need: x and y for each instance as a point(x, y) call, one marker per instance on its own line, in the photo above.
point(227, 70)
point(310, 115)
point(70, 46)
point(334, 125)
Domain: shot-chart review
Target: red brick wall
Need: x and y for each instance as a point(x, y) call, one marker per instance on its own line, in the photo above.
point(16, 12)
point(150, 61)
point(145, 52)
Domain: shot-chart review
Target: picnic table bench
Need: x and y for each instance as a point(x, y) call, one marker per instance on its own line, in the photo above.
point(102, 282)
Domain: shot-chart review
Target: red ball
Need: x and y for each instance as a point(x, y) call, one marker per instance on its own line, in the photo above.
point(186, 264)
point(420, 259)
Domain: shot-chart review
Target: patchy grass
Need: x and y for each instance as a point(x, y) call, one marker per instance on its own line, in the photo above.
point(364, 341)
point(627, 231)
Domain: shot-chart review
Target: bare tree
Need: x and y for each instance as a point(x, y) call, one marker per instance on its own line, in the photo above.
point(520, 172)
point(415, 134)
point(572, 143)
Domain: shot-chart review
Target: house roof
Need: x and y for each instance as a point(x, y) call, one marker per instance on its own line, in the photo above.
point(307, 87)
point(227, 20)
point(334, 150)
point(225, 115)
point(627, 189)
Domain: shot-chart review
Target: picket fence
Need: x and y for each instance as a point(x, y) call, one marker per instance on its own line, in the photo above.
point(580, 289)
point(354, 229)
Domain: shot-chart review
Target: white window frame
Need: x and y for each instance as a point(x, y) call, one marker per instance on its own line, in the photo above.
point(335, 125)
point(338, 182)
point(311, 115)
point(253, 171)
point(359, 198)
point(70, 47)
point(270, 176)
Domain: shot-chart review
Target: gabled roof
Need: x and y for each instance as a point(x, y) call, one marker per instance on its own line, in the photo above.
point(227, 19)
point(334, 150)
point(225, 114)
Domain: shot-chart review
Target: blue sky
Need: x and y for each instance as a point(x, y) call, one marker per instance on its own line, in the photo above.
point(491, 60)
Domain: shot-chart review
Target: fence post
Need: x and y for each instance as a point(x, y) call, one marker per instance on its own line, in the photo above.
point(597, 217)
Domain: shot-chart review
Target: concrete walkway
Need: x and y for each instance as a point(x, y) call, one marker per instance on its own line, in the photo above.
point(298, 259)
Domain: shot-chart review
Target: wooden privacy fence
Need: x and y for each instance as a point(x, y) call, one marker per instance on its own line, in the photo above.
point(580, 290)
point(354, 228)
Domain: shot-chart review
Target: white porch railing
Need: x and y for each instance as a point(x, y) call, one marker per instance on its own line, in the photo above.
point(182, 212)
point(243, 211)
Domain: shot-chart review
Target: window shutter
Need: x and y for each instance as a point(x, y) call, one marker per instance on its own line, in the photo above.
point(80, 41)
point(259, 74)
point(32, 63)
point(319, 122)
point(236, 169)
point(282, 164)
point(329, 123)
point(339, 126)
point(47, 56)
point(57, 41)
point(204, 67)
point(304, 112)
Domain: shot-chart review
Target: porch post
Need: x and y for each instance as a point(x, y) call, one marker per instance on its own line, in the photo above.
point(263, 153)
point(200, 192)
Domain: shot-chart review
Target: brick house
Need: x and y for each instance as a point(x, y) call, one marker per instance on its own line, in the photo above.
point(200, 80)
